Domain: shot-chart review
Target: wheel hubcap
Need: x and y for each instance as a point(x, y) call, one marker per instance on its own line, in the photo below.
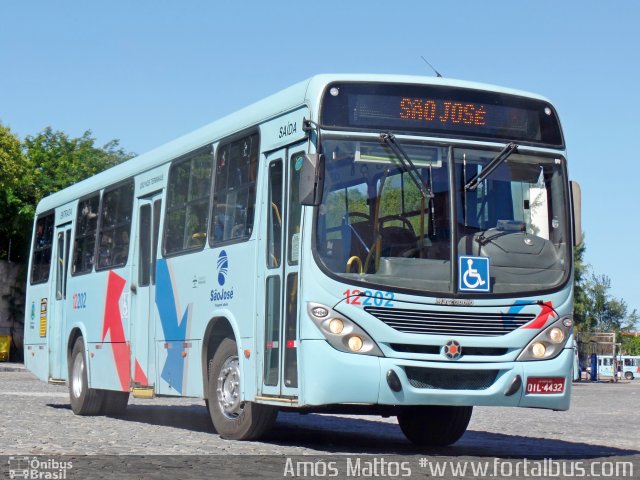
point(228, 388)
point(77, 378)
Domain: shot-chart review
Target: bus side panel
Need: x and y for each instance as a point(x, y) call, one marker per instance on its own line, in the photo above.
point(180, 367)
point(100, 303)
point(36, 359)
point(176, 348)
point(235, 291)
point(190, 290)
point(35, 331)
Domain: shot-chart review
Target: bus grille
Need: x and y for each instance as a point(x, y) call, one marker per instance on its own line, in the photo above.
point(450, 323)
point(441, 379)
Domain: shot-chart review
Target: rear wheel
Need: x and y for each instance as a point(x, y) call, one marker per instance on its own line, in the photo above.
point(434, 424)
point(84, 400)
point(232, 418)
point(114, 403)
point(628, 375)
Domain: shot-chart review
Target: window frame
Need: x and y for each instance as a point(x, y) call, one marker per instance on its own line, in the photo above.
point(75, 273)
point(34, 249)
point(114, 227)
point(275, 237)
point(225, 142)
point(451, 146)
point(211, 150)
point(292, 189)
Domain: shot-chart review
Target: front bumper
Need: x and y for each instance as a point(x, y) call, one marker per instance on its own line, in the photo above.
point(332, 377)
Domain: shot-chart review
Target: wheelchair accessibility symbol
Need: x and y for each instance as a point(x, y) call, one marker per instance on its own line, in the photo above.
point(474, 274)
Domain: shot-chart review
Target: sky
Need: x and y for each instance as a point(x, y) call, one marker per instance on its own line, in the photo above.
point(146, 72)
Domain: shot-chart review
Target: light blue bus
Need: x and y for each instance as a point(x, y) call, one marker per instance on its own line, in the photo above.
point(627, 366)
point(630, 366)
point(380, 244)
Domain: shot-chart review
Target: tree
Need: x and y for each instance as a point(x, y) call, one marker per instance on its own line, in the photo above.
point(630, 345)
point(580, 299)
point(595, 309)
point(56, 161)
point(45, 163)
point(12, 171)
point(602, 311)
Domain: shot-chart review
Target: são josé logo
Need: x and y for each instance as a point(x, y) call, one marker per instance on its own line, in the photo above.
point(222, 294)
point(223, 267)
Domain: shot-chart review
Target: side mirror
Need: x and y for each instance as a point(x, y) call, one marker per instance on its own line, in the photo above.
point(311, 179)
point(576, 203)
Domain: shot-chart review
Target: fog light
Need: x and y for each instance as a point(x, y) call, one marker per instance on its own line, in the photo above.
point(320, 312)
point(336, 326)
point(393, 381)
point(556, 335)
point(355, 343)
point(538, 349)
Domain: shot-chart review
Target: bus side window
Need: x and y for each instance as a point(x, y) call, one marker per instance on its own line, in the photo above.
point(41, 261)
point(295, 211)
point(115, 226)
point(85, 238)
point(234, 194)
point(274, 207)
point(189, 190)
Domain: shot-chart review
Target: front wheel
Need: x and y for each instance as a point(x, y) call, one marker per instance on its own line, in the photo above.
point(84, 400)
point(232, 418)
point(628, 375)
point(434, 425)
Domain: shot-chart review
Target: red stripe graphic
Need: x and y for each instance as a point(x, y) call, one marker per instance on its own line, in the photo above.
point(139, 377)
point(541, 320)
point(113, 325)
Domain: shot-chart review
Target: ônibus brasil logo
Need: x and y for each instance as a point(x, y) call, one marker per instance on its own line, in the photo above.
point(221, 295)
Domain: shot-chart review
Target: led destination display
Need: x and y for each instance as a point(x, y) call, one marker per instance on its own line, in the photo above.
point(441, 111)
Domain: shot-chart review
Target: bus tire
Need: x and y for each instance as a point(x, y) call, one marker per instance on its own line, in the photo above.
point(84, 400)
point(231, 418)
point(628, 375)
point(434, 425)
point(114, 403)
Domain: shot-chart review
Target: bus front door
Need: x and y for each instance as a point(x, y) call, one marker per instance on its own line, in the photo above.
point(57, 317)
point(277, 332)
point(143, 289)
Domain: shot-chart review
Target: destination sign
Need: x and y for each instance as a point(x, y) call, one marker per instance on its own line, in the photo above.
point(441, 111)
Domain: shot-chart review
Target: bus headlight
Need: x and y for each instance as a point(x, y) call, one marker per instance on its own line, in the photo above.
point(556, 335)
point(538, 349)
point(355, 343)
point(342, 333)
point(548, 343)
point(336, 326)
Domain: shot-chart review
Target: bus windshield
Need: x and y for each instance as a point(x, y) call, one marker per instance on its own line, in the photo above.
point(378, 225)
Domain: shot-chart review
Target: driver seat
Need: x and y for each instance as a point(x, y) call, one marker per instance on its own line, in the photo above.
point(397, 240)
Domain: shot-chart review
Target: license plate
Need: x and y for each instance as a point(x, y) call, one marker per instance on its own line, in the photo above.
point(539, 385)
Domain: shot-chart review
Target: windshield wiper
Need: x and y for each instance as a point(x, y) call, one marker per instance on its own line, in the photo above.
point(408, 166)
point(491, 166)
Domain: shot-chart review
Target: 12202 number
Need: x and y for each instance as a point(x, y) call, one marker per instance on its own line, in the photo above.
point(368, 298)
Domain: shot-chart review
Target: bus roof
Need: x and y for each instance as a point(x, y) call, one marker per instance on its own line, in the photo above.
point(307, 92)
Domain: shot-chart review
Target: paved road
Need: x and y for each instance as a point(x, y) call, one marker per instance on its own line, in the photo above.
point(35, 419)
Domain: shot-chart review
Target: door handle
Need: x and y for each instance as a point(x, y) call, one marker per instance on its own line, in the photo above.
point(133, 288)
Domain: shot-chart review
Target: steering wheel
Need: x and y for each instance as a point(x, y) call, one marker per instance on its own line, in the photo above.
point(365, 216)
point(403, 219)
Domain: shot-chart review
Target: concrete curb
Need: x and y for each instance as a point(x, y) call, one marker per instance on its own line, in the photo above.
point(12, 367)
